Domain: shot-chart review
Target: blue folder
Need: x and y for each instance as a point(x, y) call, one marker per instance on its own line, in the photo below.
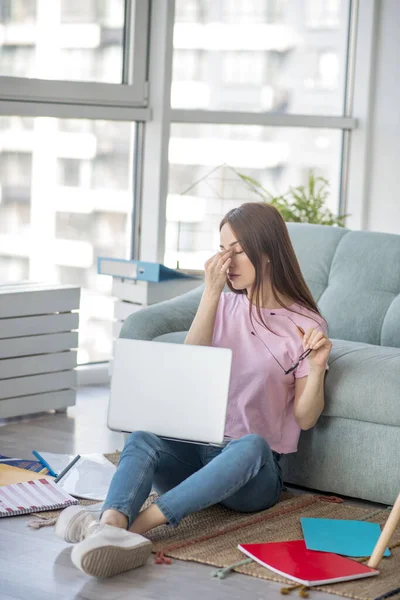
point(348, 538)
point(138, 270)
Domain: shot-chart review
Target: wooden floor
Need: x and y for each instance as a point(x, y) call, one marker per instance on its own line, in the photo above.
point(35, 564)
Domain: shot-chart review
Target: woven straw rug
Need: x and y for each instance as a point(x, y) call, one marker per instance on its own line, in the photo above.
point(211, 537)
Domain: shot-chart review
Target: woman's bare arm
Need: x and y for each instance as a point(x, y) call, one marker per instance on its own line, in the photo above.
point(309, 392)
point(201, 331)
point(309, 398)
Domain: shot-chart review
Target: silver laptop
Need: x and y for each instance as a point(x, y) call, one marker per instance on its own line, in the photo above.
point(176, 391)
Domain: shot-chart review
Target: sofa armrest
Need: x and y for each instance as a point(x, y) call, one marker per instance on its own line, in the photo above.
point(162, 318)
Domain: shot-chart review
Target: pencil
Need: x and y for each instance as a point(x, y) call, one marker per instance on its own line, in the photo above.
point(67, 468)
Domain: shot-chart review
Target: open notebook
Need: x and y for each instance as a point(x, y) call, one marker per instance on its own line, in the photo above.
point(32, 496)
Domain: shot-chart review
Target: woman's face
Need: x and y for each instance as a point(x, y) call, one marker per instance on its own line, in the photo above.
point(241, 273)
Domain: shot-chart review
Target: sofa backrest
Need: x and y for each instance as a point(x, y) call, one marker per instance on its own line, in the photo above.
point(355, 278)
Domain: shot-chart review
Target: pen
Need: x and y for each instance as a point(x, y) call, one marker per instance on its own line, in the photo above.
point(67, 468)
point(44, 463)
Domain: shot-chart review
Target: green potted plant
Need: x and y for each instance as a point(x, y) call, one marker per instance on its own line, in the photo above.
point(301, 204)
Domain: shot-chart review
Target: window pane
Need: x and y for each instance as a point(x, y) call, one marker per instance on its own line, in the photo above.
point(62, 39)
point(65, 199)
point(286, 56)
point(201, 191)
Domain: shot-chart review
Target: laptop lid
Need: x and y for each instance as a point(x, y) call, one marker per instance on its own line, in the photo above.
point(176, 391)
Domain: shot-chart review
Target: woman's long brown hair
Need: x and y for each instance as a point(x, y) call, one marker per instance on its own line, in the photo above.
point(261, 231)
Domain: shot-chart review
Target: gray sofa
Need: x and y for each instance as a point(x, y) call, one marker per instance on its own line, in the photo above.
point(354, 450)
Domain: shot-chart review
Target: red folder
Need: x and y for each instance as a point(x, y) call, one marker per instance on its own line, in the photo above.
point(309, 567)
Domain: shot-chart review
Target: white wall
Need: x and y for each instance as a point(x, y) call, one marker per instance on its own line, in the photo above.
point(383, 209)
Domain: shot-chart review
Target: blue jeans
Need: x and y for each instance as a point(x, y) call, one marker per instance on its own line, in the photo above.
point(243, 475)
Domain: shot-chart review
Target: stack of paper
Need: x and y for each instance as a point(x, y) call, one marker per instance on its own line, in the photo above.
point(38, 332)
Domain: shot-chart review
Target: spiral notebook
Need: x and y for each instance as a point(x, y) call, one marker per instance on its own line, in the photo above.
point(32, 496)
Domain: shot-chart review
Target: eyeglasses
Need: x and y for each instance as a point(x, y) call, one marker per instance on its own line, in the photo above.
point(302, 356)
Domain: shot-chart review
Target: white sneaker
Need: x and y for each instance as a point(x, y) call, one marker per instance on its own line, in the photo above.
point(74, 524)
point(109, 550)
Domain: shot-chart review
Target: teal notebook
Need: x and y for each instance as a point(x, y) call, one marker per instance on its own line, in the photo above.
point(348, 538)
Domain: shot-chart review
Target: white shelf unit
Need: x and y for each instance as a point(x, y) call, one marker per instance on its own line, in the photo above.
point(38, 340)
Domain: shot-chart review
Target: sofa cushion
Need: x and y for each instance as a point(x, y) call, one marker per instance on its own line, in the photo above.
point(315, 247)
point(363, 383)
point(361, 302)
point(353, 276)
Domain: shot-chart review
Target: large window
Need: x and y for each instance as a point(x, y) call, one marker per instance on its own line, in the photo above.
point(280, 56)
point(258, 87)
point(65, 199)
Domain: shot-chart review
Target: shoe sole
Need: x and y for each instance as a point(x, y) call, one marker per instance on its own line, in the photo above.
point(108, 561)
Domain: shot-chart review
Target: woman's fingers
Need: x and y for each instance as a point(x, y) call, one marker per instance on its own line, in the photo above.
point(213, 260)
point(225, 266)
point(306, 339)
point(224, 256)
point(216, 258)
point(315, 338)
point(319, 344)
point(311, 337)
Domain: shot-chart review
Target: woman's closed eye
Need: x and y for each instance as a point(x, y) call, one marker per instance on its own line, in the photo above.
point(239, 252)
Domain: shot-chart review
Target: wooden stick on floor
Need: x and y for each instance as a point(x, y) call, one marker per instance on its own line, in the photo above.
point(387, 532)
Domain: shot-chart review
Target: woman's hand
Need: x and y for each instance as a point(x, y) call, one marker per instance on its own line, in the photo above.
point(320, 345)
point(215, 270)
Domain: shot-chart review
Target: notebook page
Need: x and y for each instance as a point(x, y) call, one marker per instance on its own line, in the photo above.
point(32, 496)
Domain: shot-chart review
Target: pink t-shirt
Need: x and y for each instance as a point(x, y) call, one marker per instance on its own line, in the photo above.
point(261, 396)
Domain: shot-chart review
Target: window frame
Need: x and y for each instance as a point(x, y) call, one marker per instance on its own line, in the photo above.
point(131, 93)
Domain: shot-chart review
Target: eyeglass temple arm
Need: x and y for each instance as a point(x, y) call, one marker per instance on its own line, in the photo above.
point(273, 355)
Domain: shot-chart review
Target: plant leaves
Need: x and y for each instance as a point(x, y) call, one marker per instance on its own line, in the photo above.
point(301, 204)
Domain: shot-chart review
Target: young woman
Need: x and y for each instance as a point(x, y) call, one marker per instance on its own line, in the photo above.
point(280, 352)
